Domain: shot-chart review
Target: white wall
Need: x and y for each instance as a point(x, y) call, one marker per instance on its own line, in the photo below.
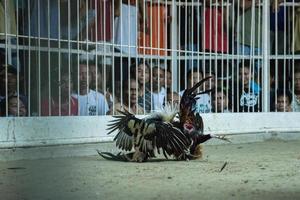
point(41, 131)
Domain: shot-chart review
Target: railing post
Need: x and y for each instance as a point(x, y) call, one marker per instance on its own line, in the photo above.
point(266, 55)
point(174, 61)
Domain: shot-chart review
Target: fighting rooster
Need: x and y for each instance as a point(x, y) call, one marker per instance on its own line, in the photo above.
point(191, 123)
point(180, 138)
point(145, 136)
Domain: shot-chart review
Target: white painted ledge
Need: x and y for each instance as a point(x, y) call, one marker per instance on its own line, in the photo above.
point(44, 131)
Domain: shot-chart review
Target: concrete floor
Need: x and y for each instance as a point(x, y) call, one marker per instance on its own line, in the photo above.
point(266, 170)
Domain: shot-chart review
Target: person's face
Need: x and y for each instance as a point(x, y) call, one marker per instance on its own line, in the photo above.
point(133, 92)
point(13, 107)
point(283, 104)
point(209, 84)
point(83, 77)
point(245, 76)
point(66, 87)
point(143, 70)
point(11, 82)
point(195, 77)
point(174, 100)
point(297, 82)
point(158, 77)
point(221, 102)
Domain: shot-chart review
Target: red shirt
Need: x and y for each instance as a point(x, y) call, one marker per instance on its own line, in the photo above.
point(64, 108)
point(215, 31)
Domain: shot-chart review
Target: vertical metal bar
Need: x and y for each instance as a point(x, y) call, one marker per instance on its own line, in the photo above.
point(129, 53)
point(59, 59)
point(174, 39)
point(18, 64)
point(284, 52)
point(266, 50)
point(276, 57)
point(78, 69)
point(95, 3)
point(113, 59)
point(232, 59)
point(151, 52)
point(29, 60)
point(39, 59)
point(6, 50)
point(293, 52)
point(69, 57)
point(121, 56)
point(49, 60)
point(185, 42)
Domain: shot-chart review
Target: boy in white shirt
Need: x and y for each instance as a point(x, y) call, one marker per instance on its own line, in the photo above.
point(90, 101)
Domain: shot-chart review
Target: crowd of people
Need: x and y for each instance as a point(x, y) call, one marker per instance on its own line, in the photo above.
point(36, 83)
point(149, 87)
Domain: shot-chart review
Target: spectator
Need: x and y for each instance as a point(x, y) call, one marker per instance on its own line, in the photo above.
point(11, 83)
point(203, 104)
point(16, 106)
point(284, 101)
point(144, 93)
point(272, 88)
point(65, 104)
point(247, 91)
point(296, 42)
point(173, 98)
point(250, 29)
point(90, 101)
point(278, 23)
point(130, 98)
point(215, 24)
point(158, 89)
point(220, 101)
point(101, 86)
point(296, 92)
point(212, 82)
point(129, 18)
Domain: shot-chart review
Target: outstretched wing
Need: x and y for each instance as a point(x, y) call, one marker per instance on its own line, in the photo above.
point(188, 100)
point(167, 137)
point(124, 137)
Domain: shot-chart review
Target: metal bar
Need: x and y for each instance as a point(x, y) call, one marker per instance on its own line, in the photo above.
point(266, 53)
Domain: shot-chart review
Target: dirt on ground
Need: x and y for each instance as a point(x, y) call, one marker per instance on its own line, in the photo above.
point(267, 170)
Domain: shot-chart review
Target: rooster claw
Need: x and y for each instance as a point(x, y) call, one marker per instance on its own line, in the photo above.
point(118, 157)
point(221, 137)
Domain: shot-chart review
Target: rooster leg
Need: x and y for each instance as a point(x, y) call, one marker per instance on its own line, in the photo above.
point(118, 157)
point(139, 156)
point(220, 137)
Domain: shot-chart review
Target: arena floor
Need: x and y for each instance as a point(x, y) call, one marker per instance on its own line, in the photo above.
point(267, 170)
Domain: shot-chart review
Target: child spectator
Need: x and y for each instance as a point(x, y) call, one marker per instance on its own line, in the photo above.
point(11, 84)
point(142, 73)
point(17, 106)
point(68, 104)
point(158, 89)
point(296, 92)
point(247, 91)
point(203, 104)
point(284, 101)
point(130, 98)
point(172, 98)
point(220, 102)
